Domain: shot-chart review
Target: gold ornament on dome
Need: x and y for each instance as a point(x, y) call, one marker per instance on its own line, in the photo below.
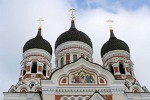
point(72, 13)
point(40, 22)
point(110, 23)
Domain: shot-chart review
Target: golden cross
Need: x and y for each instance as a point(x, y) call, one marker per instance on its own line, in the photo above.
point(110, 25)
point(40, 21)
point(72, 13)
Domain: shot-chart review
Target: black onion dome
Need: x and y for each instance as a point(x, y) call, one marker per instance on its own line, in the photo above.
point(38, 42)
point(73, 35)
point(114, 44)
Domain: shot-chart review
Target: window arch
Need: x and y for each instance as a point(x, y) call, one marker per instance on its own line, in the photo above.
point(23, 90)
point(72, 98)
point(62, 61)
point(67, 58)
point(74, 57)
point(34, 67)
point(121, 68)
point(44, 69)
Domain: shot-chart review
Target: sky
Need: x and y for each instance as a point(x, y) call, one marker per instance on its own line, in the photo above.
point(18, 24)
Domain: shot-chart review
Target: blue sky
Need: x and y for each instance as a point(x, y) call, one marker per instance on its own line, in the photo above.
point(110, 5)
point(18, 24)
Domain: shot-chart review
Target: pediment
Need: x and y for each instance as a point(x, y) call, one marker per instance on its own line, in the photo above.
point(97, 96)
point(82, 72)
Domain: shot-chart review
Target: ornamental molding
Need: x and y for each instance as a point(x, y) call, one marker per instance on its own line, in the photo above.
point(37, 52)
point(81, 90)
point(73, 51)
point(116, 53)
point(28, 61)
point(74, 44)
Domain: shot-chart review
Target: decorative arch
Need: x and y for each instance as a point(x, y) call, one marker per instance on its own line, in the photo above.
point(135, 90)
point(102, 81)
point(63, 80)
point(82, 76)
point(23, 90)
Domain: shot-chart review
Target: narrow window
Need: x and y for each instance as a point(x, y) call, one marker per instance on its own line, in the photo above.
point(67, 58)
point(44, 70)
point(74, 57)
point(62, 61)
point(130, 72)
point(111, 68)
point(24, 72)
point(121, 68)
point(34, 67)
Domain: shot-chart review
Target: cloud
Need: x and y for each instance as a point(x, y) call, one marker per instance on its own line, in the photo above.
point(18, 25)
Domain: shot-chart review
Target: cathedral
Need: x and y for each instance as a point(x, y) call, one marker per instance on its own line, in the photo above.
point(75, 76)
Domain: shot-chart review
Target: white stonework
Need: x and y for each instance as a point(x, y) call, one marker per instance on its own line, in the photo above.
point(76, 76)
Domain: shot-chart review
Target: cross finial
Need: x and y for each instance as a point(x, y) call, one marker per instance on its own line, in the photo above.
point(72, 13)
point(110, 25)
point(40, 21)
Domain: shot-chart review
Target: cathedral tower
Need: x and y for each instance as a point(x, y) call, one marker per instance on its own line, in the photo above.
point(37, 54)
point(71, 45)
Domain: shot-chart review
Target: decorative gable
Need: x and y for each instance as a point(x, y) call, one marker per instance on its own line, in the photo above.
point(97, 96)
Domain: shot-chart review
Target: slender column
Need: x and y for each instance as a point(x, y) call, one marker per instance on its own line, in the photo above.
point(28, 67)
point(116, 69)
point(39, 67)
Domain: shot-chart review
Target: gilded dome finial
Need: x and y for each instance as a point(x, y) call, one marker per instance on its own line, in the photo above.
point(110, 25)
point(40, 21)
point(72, 14)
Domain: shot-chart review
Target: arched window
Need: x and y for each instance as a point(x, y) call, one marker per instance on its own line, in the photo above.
point(67, 58)
point(74, 57)
point(34, 67)
point(121, 68)
point(111, 68)
point(24, 72)
point(44, 70)
point(62, 61)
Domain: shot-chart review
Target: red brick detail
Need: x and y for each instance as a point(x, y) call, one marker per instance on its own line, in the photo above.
point(27, 76)
point(67, 58)
point(118, 77)
point(39, 76)
point(40, 69)
point(63, 81)
point(109, 97)
point(28, 68)
point(128, 76)
point(116, 69)
point(57, 97)
point(127, 69)
point(101, 81)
